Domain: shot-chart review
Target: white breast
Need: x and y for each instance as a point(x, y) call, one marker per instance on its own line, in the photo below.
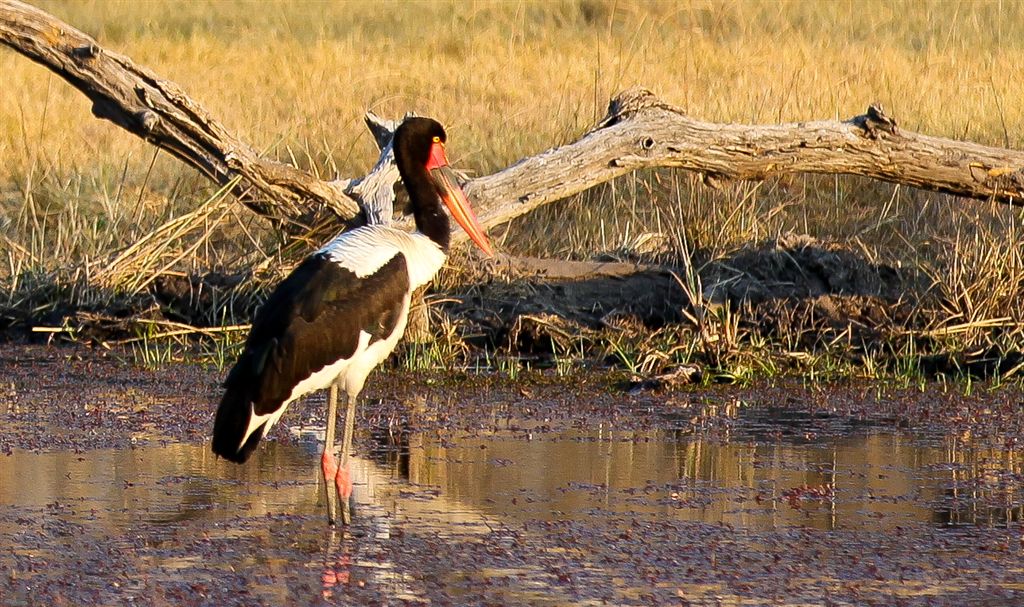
point(364, 250)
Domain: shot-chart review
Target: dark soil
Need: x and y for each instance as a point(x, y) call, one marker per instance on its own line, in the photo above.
point(70, 397)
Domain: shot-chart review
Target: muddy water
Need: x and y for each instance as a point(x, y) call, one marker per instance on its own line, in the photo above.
point(504, 496)
point(125, 523)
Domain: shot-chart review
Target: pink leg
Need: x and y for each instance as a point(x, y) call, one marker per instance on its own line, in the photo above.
point(329, 465)
point(343, 481)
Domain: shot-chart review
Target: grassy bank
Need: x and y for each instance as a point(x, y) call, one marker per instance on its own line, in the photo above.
point(511, 79)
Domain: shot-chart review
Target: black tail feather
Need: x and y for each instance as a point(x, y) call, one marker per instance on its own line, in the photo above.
point(230, 425)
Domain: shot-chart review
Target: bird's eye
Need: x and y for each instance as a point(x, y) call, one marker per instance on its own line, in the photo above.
point(437, 139)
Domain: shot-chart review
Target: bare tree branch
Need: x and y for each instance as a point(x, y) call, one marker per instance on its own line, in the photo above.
point(640, 131)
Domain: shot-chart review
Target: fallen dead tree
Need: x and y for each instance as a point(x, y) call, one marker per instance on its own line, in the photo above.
point(639, 131)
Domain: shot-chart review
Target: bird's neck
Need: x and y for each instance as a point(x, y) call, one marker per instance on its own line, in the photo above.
point(431, 220)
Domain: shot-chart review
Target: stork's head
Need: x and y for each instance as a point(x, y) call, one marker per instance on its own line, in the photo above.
point(420, 152)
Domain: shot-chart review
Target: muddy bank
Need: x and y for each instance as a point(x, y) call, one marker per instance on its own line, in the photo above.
point(792, 301)
point(792, 294)
point(57, 398)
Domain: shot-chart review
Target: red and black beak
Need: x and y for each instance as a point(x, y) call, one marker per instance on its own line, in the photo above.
point(454, 198)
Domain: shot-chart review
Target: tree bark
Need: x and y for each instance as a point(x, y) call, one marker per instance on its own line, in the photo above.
point(640, 131)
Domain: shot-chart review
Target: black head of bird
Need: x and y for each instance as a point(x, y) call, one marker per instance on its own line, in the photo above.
point(423, 164)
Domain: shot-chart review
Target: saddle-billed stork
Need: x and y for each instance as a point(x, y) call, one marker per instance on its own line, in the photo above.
point(341, 312)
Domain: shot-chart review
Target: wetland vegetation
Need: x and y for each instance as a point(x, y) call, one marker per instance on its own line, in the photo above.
point(849, 428)
point(823, 275)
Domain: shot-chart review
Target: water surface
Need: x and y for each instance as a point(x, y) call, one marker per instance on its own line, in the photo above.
point(590, 513)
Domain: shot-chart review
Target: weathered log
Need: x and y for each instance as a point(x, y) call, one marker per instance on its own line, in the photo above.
point(640, 131)
point(517, 268)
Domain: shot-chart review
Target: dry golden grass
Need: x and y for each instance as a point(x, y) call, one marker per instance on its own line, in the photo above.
point(511, 79)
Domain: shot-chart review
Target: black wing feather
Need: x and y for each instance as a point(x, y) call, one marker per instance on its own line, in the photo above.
point(312, 319)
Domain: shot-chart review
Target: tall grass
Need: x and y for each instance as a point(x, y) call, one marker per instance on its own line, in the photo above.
point(510, 79)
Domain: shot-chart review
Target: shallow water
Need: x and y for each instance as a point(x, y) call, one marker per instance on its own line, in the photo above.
point(572, 515)
point(868, 477)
